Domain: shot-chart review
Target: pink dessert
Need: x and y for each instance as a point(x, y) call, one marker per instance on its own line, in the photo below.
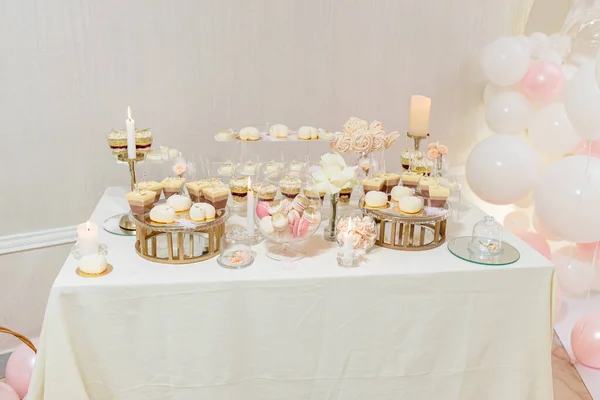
point(262, 210)
point(300, 228)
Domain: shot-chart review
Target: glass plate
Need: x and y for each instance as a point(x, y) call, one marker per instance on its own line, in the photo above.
point(460, 248)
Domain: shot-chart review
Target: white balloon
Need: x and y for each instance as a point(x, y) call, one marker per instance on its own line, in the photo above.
point(525, 42)
point(551, 131)
point(505, 61)
point(569, 70)
point(525, 202)
point(509, 112)
point(567, 197)
point(551, 55)
point(582, 102)
point(560, 43)
point(575, 275)
point(502, 169)
point(539, 43)
point(539, 228)
point(516, 222)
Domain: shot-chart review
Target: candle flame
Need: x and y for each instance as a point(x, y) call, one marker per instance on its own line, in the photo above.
point(128, 112)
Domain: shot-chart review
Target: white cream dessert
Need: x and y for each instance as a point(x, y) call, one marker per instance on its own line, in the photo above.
point(325, 134)
point(376, 199)
point(296, 166)
point(179, 203)
point(401, 191)
point(279, 131)
point(307, 133)
point(249, 168)
point(226, 169)
point(209, 210)
point(163, 214)
point(227, 135)
point(410, 204)
point(438, 195)
point(197, 213)
point(272, 167)
point(140, 201)
point(249, 133)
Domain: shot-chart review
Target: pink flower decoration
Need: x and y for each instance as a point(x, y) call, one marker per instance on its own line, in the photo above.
point(432, 146)
point(179, 169)
point(432, 153)
point(442, 149)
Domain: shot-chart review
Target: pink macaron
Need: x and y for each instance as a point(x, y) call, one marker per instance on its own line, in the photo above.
point(293, 215)
point(300, 228)
point(262, 210)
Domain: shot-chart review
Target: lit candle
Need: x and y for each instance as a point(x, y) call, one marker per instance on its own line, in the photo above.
point(93, 264)
point(87, 238)
point(348, 243)
point(418, 121)
point(250, 209)
point(130, 124)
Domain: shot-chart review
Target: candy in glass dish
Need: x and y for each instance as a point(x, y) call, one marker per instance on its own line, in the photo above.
point(358, 226)
point(236, 252)
point(285, 216)
point(487, 238)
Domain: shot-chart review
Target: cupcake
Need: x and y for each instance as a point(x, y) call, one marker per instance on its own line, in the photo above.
point(239, 189)
point(290, 186)
point(172, 186)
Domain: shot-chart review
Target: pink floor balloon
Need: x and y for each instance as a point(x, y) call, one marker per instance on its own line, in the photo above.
point(7, 393)
point(585, 341)
point(536, 241)
point(544, 81)
point(583, 148)
point(587, 250)
point(19, 368)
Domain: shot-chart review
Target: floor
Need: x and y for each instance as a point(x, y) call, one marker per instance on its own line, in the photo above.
point(567, 383)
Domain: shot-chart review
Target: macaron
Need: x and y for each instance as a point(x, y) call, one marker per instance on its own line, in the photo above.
point(300, 202)
point(262, 209)
point(279, 221)
point(266, 226)
point(300, 228)
point(292, 216)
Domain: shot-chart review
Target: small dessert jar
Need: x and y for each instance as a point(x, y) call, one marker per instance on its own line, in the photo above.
point(487, 238)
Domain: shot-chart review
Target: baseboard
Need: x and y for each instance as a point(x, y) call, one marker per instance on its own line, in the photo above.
point(3, 360)
point(37, 240)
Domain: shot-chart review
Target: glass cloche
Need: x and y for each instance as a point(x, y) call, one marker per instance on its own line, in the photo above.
point(487, 238)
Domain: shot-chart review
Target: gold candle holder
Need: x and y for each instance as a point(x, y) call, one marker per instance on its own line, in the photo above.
point(126, 222)
point(417, 140)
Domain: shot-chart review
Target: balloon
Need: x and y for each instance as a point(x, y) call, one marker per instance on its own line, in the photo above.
point(537, 242)
point(505, 61)
point(588, 250)
point(525, 42)
point(19, 368)
point(552, 56)
point(539, 43)
point(7, 393)
point(569, 70)
point(551, 131)
point(543, 81)
point(501, 169)
point(557, 303)
point(575, 275)
point(516, 222)
point(583, 148)
point(526, 201)
point(561, 44)
point(566, 197)
point(509, 113)
point(539, 228)
point(582, 102)
point(585, 341)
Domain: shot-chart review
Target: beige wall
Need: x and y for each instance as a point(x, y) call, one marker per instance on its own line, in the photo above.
point(189, 68)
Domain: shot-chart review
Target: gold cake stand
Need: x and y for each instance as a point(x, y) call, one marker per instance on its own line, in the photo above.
point(185, 243)
point(397, 231)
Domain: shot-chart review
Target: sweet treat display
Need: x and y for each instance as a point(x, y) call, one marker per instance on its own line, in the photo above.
point(209, 211)
point(140, 201)
point(361, 229)
point(438, 195)
point(410, 204)
point(249, 133)
point(195, 189)
point(266, 225)
point(325, 134)
point(273, 167)
point(376, 200)
point(226, 135)
point(172, 186)
point(262, 209)
point(345, 194)
point(312, 215)
point(410, 179)
point(405, 159)
point(290, 186)
point(163, 214)
point(266, 192)
point(226, 169)
point(372, 184)
point(143, 139)
point(313, 193)
point(197, 213)
point(279, 221)
point(239, 189)
point(179, 203)
point(249, 168)
point(279, 131)
point(217, 196)
point(401, 191)
point(426, 182)
point(296, 166)
point(390, 179)
point(117, 140)
point(153, 186)
point(308, 133)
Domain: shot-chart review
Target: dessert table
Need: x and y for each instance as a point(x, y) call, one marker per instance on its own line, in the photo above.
point(404, 325)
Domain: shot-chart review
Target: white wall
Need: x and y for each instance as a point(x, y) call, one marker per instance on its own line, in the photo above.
point(69, 68)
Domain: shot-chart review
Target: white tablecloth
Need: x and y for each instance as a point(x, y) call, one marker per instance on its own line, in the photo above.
point(406, 325)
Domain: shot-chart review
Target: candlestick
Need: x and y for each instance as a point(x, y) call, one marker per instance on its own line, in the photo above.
point(250, 209)
point(87, 238)
point(418, 122)
point(130, 125)
point(348, 249)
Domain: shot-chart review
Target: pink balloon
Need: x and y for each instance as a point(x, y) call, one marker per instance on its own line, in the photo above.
point(7, 393)
point(585, 341)
point(582, 148)
point(544, 81)
point(587, 250)
point(536, 241)
point(19, 368)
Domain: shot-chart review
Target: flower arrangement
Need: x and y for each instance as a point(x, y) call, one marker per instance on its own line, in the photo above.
point(334, 174)
point(181, 167)
point(436, 152)
point(361, 137)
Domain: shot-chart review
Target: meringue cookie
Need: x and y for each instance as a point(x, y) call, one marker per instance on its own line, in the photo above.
point(249, 133)
point(279, 131)
point(307, 133)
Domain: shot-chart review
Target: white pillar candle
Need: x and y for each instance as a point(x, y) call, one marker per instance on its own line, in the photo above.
point(93, 264)
point(130, 125)
point(250, 209)
point(87, 238)
point(348, 243)
point(418, 121)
